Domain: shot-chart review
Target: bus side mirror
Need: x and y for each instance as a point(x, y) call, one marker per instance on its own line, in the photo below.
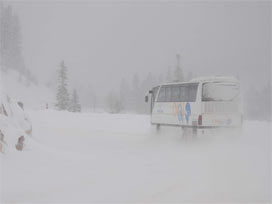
point(146, 99)
point(151, 92)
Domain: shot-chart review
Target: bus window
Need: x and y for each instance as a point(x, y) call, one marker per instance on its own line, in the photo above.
point(188, 92)
point(161, 96)
point(178, 93)
point(168, 94)
point(183, 93)
point(218, 91)
point(192, 89)
point(175, 97)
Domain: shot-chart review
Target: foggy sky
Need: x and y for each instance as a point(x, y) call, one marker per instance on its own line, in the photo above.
point(103, 42)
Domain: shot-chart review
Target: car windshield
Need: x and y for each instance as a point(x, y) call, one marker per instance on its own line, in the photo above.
point(220, 91)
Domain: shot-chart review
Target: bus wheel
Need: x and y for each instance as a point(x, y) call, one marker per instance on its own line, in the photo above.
point(184, 134)
point(194, 132)
point(158, 127)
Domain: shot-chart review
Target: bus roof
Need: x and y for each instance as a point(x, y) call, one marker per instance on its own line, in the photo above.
point(215, 78)
point(205, 79)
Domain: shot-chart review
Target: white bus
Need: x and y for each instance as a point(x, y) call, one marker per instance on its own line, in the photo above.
point(201, 103)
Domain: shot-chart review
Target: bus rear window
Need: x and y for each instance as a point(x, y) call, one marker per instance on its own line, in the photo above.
point(219, 91)
point(178, 93)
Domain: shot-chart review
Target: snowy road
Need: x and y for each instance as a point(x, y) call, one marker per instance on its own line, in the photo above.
point(119, 158)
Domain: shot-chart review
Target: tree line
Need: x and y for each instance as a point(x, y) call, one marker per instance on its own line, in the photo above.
point(130, 96)
point(11, 56)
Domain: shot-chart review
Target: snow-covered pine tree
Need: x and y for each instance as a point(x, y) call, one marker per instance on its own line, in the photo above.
point(113, 102)
point(169, 78)
point(62, 92)
point(160, 79)
point(74, 103)
point(124, 93)
point(10, 40)
point(136, 93)
point(178, 74)
point(190, 75)
point(92, 100)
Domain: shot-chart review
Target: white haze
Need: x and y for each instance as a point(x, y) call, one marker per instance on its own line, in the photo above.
point(101, 42)
point(97, 156)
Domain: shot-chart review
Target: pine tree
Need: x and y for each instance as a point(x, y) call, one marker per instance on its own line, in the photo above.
point(135, 83)
point(160, 79)
point(74, 103)
point(5, 35)
point(124, 93)
point(10, 40)
point(1, 35)
point(62, 92)
point(190, 76)
point(179, 77)
point(92, 98)
point(113, 102)
point(148, 83)
point(136, 93)
point(169, 75)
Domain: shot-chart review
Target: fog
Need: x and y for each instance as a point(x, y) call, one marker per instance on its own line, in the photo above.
point(94, 104)
point(101, 42)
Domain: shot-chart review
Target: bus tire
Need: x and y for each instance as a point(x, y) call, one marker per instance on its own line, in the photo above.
point(158, 127)
point(184, 134)
point(194, 132)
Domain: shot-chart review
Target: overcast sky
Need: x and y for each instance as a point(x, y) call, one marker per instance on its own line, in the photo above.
point(103, 42)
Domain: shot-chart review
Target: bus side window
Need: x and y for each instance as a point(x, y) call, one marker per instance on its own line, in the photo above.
point(168, 94)
point(183, 93)
point(161, 96)
point(192, 89)
point(175, 97)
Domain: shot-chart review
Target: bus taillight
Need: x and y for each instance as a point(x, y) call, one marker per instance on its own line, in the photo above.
point(200, 120)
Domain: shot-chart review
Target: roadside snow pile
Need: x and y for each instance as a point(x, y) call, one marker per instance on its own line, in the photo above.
point(14, 123)
point(20, 89)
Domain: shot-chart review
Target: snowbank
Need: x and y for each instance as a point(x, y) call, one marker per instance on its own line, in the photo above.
point(14, 122)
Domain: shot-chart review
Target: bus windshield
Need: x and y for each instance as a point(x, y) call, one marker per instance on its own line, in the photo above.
point(220, 91)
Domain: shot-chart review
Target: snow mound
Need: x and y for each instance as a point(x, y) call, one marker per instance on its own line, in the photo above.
point(13, 122)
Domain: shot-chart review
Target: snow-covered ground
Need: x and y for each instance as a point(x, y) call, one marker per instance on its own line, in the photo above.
point(119, 158)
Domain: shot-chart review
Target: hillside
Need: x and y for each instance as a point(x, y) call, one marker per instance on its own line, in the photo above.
point(34, 96)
